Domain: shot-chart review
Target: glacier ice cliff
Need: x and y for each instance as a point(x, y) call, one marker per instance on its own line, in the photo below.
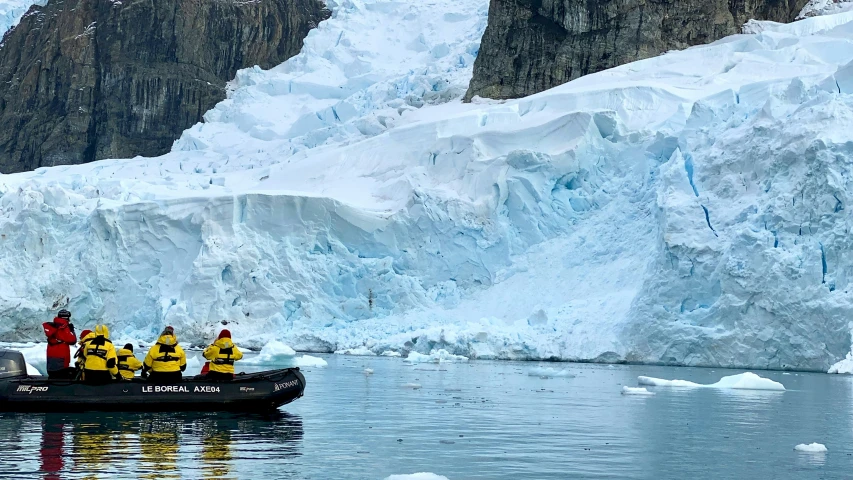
point(687, 209)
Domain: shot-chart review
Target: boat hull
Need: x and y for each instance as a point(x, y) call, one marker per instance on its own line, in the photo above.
point(263, 391)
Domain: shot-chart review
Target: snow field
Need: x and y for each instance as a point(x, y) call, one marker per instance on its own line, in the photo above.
point(743, 381)
point(686, 209)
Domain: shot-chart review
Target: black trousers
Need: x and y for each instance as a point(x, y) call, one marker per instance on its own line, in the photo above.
point(165, 377)
point(219, 376)
point(97, 376)
point(63, 374)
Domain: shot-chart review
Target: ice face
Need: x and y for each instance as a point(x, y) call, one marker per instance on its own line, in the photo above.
point(687, 209)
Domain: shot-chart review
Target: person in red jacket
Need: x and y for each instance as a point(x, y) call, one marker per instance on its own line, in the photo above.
point(60, 337)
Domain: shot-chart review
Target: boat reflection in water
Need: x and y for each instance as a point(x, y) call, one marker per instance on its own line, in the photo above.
point(149, 445)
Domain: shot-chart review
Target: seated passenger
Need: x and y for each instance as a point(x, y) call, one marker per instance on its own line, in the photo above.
point(166, 359)
point(222, 355)
point(127, 362)
point(85, 336)
point(100, 364)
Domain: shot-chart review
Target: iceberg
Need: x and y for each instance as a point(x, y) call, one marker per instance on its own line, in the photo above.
point(811, 448)
point(687, 209)
point(743, 381)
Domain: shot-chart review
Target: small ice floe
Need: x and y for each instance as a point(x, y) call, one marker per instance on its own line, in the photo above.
point(413, 386)
point(368, 371)
point(357, 351)
point(548, 372)
point(743, 381)
point(811, 448)
point(438, 356)
point(844, 366)
point(391, 353)
point(417, 476)
point(308, 361)
point(274, 353)
point(636, 391)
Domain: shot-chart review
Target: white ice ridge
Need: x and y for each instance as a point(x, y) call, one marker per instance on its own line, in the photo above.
point(417, 476)
point(743, 381)
point(687, 209)
point(811, 448)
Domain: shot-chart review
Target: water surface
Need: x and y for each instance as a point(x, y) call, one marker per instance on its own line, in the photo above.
point(488, 420)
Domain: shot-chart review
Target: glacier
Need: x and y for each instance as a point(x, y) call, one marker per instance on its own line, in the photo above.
point(689, 209)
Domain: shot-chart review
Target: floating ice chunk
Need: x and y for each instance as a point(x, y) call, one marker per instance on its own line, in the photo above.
point(32, 371)
point(417, 476)
point(413, 386)
point(368, 371)
point(440, 356)
point(274, 353)
point(636, 391)
point(548, 372)
point(391, 353)
point(308, 361)
point(193, 364)
point(743, 381)
point(844, 366)
point(359, 351)
point(35, 355)
point(811, 448)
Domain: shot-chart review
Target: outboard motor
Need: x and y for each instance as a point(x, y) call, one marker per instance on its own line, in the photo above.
point(12, 364)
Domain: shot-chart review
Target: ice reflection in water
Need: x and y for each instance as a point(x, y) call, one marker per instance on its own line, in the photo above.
point(482, 420)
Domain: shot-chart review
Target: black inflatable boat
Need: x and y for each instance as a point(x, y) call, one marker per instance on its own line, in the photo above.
point(262, 391)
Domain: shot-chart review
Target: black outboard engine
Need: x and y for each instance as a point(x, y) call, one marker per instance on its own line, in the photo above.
point(12, 364)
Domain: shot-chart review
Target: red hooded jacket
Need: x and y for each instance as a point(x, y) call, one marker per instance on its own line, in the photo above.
point(59, 339)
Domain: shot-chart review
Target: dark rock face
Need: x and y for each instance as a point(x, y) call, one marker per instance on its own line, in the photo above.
point(533, 45)
point(83, 80)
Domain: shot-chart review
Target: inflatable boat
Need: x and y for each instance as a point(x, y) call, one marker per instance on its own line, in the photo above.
point(262, 391)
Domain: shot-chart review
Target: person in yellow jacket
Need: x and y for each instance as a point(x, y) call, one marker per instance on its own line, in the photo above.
point(222, 355)
point(85, 336)
point(127, 362)
point(100, 364)
point(166, 359)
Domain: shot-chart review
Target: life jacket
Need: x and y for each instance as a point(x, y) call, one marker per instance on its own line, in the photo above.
point(166, 356)
point(127, 363)
point(81, 350)
point(222, 355)
point(59, 337)
point(99, 354)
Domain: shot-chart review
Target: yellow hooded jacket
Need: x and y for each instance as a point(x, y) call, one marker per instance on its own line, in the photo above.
point(222, 355)
point(127, 363)
point(99, 354)
point(79, 355)
point(166, 356)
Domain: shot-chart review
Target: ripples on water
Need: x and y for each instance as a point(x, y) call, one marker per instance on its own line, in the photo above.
point(485, 420)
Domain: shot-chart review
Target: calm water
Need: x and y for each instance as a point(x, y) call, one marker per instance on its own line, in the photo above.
point(468, 421)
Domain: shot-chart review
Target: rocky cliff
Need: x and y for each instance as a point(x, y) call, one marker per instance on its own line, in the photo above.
point(83, 80)
point(533, 45)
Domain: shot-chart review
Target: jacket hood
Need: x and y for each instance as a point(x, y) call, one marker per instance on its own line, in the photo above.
point(167, 339)
point(87, 335)
point(124, 351)
point(225, 333)
point(102, 330)
point(224, 343)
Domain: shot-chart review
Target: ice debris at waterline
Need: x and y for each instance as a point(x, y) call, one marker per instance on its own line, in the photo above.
point(690, 208)
point(277, 354)
point(636, 391)
point(417, 476)
point(357, 351)
point(439, 356)
point(368, 371)
point(811, 448)
point(845, 366)
point(548, 372)
point(743, 381)
point(413, 386)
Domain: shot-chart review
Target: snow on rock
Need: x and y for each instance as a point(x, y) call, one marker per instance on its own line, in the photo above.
point(636, 391)
point(811, 448)
point(825, 7)
point(417, 476)
point(743, 381)
point(357, 351)
point(685, 209)
point(548, 372)
point(438, 356)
